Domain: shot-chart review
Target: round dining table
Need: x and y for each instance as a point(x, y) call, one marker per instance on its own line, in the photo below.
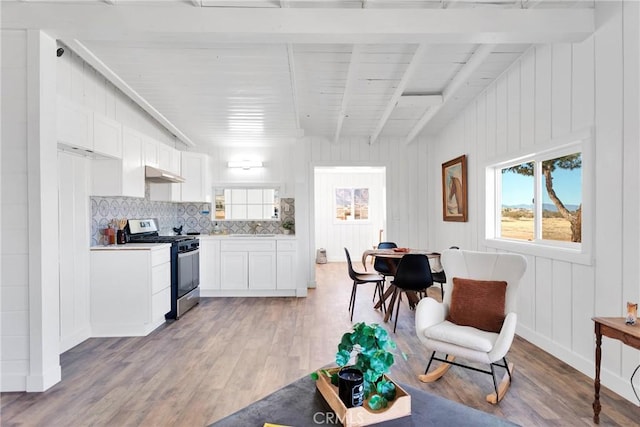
point(390, 255)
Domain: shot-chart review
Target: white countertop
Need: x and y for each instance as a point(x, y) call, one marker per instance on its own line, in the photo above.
point(245, 236)
point(130, 247)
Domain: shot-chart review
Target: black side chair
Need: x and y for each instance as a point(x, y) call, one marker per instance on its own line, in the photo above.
point(413, 275)
point(440, 277)
point(359, 279)
point(381, 265)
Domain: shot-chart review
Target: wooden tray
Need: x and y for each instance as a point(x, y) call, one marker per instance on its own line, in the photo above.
point(362, 415)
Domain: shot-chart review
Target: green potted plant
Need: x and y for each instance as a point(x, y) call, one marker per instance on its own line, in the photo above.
point(371, 345)
point(287, 225)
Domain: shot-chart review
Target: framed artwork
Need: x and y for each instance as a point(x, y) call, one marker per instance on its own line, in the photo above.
point(454, 189)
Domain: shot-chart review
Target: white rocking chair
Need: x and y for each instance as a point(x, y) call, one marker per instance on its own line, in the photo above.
point(468, 342)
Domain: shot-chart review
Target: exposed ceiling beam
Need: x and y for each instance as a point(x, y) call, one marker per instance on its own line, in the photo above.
point(99, 21)
point(348, 89)
point(478, 57)
point(83, 52)
point(417, 57)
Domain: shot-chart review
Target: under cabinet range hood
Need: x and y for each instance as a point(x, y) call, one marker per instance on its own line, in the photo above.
point(156, 175)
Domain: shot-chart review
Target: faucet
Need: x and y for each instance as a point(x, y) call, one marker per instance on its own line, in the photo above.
point(254, 227)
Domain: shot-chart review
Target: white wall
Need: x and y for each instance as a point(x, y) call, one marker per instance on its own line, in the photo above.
point(334, 235)
point(30, 356)
point(14, 286)
point(550, 92)
point(407, 188)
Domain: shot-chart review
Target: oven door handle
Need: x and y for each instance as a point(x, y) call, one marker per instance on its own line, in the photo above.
point(188, 253)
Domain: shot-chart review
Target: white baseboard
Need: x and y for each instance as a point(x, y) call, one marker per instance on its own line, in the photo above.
point(249, 293)
point(43, 382)
point(13, 382)
point(74, 339)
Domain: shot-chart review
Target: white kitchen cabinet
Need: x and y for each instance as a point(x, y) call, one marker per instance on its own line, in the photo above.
point(234, 270)
point(150, 152)
point(107, 136)
point(194, 168)
point(248, 264)
point(169, 160)
point(287, 264)
point(209, 265)
point(74, 124)
point(121, 177)
point(262, 270)
point(130, 289)
point(74, 178)
point(166, 159)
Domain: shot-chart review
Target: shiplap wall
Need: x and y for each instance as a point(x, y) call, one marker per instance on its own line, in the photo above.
point(408, 202)
point(30, 356)
point(550, 92)
point(407, 176)
point(14, 288)
point(356, 236)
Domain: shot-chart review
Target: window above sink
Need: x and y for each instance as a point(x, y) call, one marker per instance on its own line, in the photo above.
point(246, 203)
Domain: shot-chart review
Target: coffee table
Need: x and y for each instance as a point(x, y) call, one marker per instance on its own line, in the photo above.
point(299, 404)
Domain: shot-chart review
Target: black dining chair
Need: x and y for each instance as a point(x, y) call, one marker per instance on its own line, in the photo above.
point(413, 275)
point(362, 278)
point(382, 266)
point(441, 278)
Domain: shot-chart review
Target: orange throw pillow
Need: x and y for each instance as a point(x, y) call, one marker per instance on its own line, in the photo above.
point(478, 303)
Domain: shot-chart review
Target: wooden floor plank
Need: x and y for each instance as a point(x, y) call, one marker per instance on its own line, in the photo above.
point(229, 352)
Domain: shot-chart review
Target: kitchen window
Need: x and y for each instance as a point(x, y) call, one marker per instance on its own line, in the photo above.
point(247, 204)
point(539, 201)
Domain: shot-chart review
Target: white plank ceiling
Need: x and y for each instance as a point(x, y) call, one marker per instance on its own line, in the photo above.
point(264, 71)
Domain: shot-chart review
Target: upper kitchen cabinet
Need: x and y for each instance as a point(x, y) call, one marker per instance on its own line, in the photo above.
point(74, 125)
point(169, 160)
point(122, 177)
point(93, 134)
point(151, 152)
point(195, 171)
point(107, 136)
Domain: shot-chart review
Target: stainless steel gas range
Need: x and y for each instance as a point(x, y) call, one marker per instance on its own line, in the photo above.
point(185, 263)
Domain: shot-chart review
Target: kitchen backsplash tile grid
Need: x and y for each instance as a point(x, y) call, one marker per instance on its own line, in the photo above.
point(194, 217)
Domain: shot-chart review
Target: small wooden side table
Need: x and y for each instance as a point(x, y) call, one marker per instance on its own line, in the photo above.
point(616, 328)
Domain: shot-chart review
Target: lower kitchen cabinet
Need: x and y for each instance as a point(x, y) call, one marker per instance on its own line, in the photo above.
point(209, 265)
point(234, 270)
point(130, 289)
point(286, 264)
point(247, 266)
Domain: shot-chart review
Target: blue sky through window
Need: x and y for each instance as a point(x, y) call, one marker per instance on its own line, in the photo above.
point(518, 189)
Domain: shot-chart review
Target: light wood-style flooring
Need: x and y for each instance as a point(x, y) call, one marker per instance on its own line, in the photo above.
point(229, 352)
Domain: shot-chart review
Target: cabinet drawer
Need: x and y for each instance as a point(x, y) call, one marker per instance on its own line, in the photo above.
point(160, 256)
point(160, 277)
point(160, 304)
point(287, 245)
point(248, 246)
